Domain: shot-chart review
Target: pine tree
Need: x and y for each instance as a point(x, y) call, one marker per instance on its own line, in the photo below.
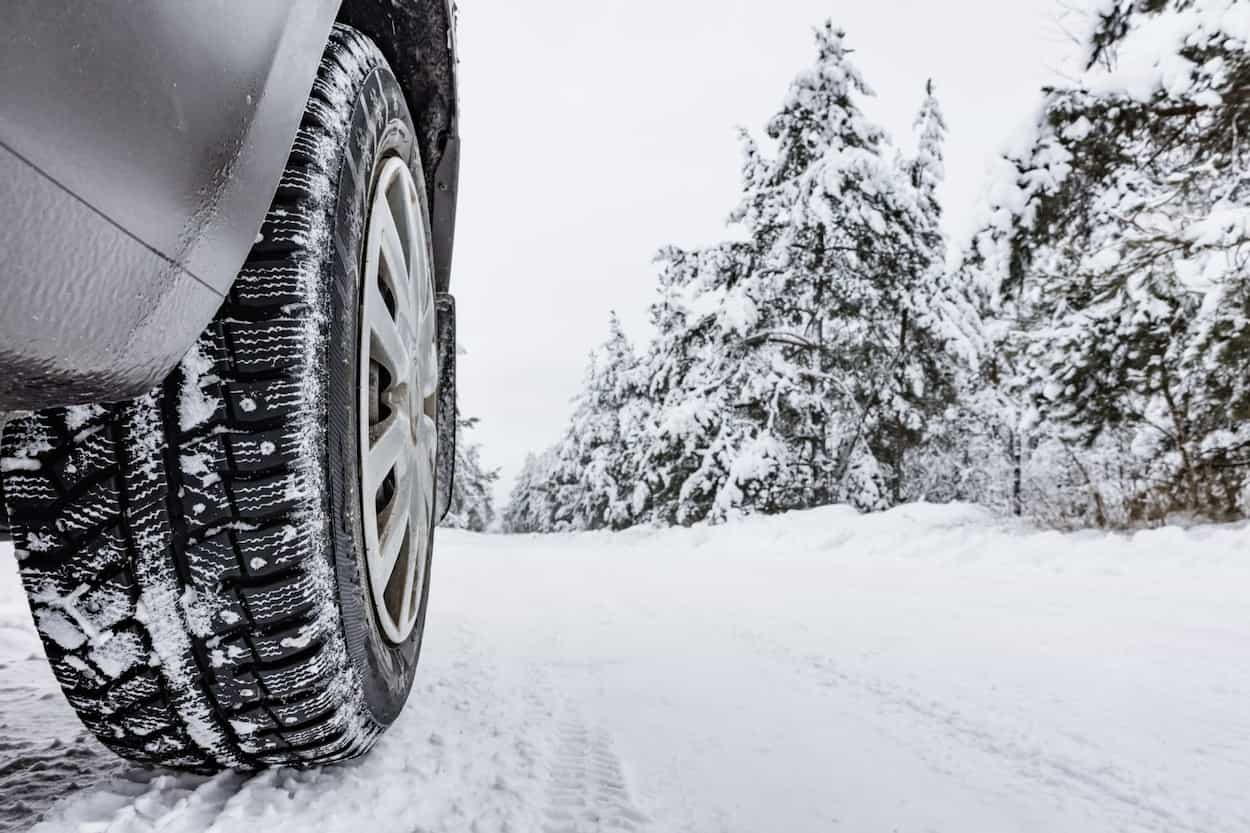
point(1116, 271)
point(927, 454)
point(928, 169)
point(947, 463)
point(687, 401)
point(531, 504)
point(588, 480)
point(594, 482)
point(800, 366)
point(849, 253)
point(472, 496)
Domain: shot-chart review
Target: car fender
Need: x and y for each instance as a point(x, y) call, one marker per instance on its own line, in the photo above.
point(140, 146)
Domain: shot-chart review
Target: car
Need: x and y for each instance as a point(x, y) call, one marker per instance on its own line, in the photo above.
point(227, 381)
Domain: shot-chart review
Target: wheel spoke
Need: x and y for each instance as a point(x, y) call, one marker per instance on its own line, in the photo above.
point(386, 344)
point(427, 439)
point(422, 501)
point(391, 445)
point(394, 521)
point(395, 263)
point(410, 574)
point(426, 358)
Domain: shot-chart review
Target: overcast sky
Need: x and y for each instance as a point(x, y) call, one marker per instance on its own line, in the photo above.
point(596, 132)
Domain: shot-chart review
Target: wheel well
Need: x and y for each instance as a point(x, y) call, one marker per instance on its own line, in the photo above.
point(414, 35)
point(418, 39)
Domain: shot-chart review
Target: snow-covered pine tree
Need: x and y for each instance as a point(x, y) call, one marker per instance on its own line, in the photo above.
point(928, 169)
point(1121, 252)
point(798, 367)
point(937, 470)
point(686, 404)
point(472, 496)
point(714, 443)
point(848, 254)
point(593, 483)
point(929, 466)
point(531, 505)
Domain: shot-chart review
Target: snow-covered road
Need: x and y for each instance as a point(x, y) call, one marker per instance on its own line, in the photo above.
point(928, 669)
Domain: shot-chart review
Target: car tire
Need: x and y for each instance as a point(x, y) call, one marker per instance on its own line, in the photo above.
point(199, 561)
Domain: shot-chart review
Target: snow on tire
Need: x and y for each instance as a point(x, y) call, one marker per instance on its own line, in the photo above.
point(194, 558)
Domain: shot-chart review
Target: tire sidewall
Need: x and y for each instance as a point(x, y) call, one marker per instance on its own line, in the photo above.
point(380, 127)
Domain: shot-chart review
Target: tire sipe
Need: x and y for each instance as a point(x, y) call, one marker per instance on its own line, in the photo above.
point(204, 563)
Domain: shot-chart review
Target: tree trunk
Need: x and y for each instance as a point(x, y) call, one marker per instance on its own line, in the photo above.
point(1182, 444)
point(1016, 450)
point(1100, 506)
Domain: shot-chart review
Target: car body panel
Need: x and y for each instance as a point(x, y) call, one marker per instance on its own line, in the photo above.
point(173, 119)
point(103, 318)
point(142, 142)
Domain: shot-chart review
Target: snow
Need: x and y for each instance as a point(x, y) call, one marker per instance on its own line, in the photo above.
point(60, 629)
point(928, 668)
point(1149, 60)
point(114, 656)
point(195, 407)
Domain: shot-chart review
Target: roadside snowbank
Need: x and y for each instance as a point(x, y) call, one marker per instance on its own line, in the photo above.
point(928, 668)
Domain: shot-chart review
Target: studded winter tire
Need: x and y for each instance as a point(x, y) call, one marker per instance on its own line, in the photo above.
point(231, 571)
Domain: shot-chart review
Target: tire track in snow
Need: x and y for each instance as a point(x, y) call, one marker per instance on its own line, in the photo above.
point(44, 750)
point(588, 792)
point(1099, 782)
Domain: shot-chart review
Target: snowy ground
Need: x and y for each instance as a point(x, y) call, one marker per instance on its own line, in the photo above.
point(923, 670)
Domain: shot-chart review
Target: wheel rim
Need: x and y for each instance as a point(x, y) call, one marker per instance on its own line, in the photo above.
point(398, 397)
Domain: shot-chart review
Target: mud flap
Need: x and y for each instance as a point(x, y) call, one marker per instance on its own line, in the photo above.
point(445, 459)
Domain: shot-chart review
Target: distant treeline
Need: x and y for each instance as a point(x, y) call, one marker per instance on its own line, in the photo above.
point(1085, 361)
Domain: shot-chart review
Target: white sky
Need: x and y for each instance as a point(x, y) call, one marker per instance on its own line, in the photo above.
point(595, 131)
